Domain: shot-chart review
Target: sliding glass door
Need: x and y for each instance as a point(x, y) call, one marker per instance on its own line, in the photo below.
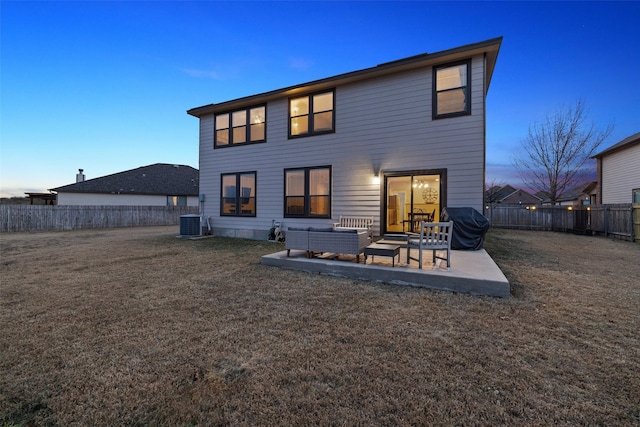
point(411, 197)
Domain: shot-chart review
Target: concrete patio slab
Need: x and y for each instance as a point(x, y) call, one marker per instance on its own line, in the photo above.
point(472, 272)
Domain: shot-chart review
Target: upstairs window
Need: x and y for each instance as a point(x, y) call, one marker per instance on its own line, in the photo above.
point(451, 94)
point(307, 192)
point(311, 114)
point(240, 127)
point(238, 194)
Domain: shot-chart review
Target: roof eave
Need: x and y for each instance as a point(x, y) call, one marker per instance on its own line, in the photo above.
point(625, 143)
point(488, 47)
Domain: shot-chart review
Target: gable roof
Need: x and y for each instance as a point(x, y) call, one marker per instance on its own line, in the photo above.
point(625, 143)
point(157, 179)
point(503, 192)
point(577, 192)
point(569, 195)
point(509, 194)
point(488, 47)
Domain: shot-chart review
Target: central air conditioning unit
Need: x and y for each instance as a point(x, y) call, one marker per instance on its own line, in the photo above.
point(190, 225)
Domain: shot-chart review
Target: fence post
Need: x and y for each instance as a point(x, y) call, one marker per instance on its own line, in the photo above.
point(631, 225)
point(636, 221)
point(491, 214)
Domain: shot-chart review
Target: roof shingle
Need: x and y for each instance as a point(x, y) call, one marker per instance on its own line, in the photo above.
point(156, 179)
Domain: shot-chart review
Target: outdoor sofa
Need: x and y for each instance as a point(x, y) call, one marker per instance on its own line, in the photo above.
point(321, 240)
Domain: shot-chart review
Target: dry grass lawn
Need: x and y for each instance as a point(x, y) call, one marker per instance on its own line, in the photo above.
point(136, 327)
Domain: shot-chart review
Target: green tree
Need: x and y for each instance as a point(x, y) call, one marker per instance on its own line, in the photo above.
point(556, 152)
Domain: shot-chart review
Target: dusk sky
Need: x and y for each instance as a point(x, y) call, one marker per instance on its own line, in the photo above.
point(104, 86)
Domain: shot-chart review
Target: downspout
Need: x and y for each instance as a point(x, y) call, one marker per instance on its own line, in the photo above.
point(599, 176)
point(201, 200)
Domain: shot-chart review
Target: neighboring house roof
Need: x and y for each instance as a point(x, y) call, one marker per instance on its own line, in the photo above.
point(590, 188)
point(488, 47)
point(625, 143)
point(498, 194)
point(542, 195)
point(48, 198)
point(574, 193)
point(157, 179)
point(509, 194)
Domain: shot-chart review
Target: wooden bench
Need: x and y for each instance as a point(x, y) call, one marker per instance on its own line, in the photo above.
point(355, 223)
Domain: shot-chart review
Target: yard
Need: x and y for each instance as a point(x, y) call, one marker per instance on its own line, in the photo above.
point(136, 327)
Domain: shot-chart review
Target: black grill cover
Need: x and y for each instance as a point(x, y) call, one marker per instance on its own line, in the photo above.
point(469, 228)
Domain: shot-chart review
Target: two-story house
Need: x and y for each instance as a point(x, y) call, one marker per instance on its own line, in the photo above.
point(387, 141)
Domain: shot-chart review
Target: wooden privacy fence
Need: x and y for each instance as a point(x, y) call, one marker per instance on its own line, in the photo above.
point(620, 220)
point(20, 218)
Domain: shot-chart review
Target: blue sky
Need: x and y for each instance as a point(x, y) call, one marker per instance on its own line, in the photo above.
point(105, 86)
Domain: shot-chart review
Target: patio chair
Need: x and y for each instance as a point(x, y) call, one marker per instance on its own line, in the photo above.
point(434, 236)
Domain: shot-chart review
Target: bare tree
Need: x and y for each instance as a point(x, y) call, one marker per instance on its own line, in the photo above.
point(557, 151)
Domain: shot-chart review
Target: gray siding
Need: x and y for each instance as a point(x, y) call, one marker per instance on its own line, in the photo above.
point(383, 123)
point(620, 175)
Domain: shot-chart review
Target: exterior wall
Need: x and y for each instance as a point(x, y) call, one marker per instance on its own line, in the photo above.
point(96, 199)
point(381, 124)
point(620, 175)
point(567, 203)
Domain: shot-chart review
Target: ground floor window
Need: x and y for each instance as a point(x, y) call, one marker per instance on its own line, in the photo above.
point(411, 197)
point(238, 194)
point(176, 200)
point(307, 192)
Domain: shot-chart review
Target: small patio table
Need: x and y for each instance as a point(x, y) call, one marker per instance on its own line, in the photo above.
point(382, 250)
